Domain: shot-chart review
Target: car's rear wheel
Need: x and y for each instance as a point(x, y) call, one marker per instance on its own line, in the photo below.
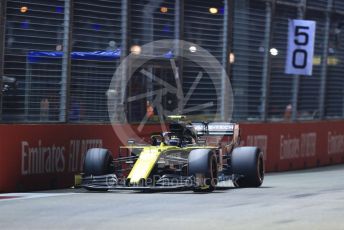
point(98, 162)
point(202, 166)
point(248, 167)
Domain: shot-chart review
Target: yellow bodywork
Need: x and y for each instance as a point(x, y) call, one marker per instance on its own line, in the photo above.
point(144, 165)
point(148, 158)
point(77, 180)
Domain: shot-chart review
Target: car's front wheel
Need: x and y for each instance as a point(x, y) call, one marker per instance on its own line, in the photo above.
point(202, 166)
point(98, 162)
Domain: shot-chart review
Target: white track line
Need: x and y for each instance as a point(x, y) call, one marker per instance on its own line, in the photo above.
point(24, 196)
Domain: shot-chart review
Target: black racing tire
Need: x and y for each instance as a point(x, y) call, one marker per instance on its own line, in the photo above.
point(98, 162)
point(248, 165)
point(203, 161)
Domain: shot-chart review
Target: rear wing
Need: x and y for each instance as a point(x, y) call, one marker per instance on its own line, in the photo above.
point(215, 128)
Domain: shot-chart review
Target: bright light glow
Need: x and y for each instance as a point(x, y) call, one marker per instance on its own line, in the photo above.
point(111, 93)
point(332, 61)
point(58, 47)
point(163, 9)
point(213, 10)
point(231, 58)
point(135, 49)
point(274, 51)
point(193, 49)
point(23, 9)
point(112, 43)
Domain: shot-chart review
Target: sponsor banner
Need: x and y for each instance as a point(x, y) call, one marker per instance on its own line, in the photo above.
point(297, 145)
point(47, 156)
point(300, 47)
point(335, 142)
point(34, 157)
point(303, 145)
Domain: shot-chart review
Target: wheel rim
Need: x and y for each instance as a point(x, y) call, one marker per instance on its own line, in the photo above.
point(213, 172)
point(260, 168)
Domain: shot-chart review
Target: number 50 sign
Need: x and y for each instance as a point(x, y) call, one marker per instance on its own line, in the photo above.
point(300, 47)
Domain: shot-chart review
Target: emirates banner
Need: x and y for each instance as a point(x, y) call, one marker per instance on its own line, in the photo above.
point(47, 156)
point(300, 47)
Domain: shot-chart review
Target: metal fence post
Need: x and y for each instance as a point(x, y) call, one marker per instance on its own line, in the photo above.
point(241, 24)
point(226, 52)
point(179, 36)
point(66, 61)
point(125, 44)
point(117, 104)
point(2, 48)
point(124, 41)
point(225, 63)
point(296, 81)
point(270, 5)
point(179, 24)
point(323, 75)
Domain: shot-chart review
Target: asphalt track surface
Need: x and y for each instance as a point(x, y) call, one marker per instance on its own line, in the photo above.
point(310, 199)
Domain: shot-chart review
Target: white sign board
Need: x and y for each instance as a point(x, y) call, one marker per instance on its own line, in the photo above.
point(300, 47)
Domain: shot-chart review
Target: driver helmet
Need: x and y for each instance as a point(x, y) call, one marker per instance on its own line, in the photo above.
point(166, 138)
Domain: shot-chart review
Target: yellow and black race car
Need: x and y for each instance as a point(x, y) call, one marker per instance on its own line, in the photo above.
point(185, 158)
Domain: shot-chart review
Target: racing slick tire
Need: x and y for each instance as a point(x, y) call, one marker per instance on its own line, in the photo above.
point(248, 167)
point(98, 162)
point(203, 162)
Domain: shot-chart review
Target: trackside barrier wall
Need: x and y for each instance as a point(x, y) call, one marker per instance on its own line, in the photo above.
point(34, 157)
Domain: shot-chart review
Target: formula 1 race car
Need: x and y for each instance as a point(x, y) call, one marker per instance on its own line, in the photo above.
point(182, 159)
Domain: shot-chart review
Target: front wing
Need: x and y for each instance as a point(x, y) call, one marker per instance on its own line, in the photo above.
point(164, 183)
